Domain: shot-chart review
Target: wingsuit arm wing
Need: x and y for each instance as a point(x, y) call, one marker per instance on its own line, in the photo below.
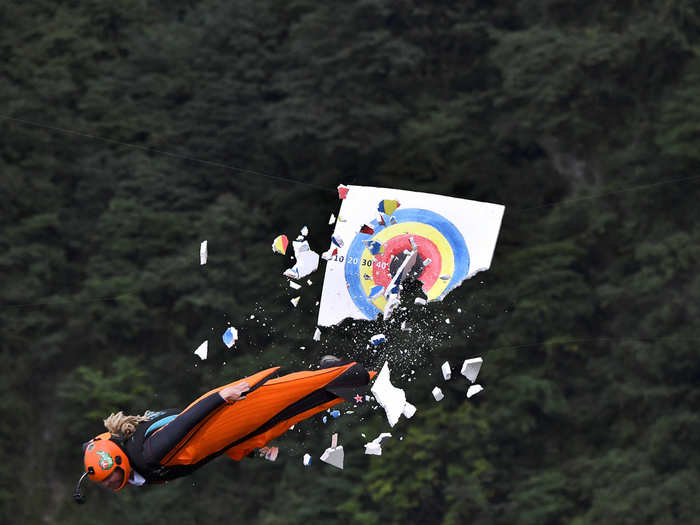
point(157, 445)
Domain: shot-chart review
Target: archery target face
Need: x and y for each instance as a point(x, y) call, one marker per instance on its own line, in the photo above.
point(457, 235)
point(437, 239)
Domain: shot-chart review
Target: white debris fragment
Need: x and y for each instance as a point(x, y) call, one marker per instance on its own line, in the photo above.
point(446, 371)
point(391, 399)
point(295, 301)
point(445, 277)
point(307, 460)
point(334, 455)
point(305, 231)
point(447, 320)
point(292, 273)
point(230, 336)
point(203, 253)
point(409, 410)
point(459, 310)
point(391, 303)
point(294, 285)
point(317, 335)
point(306, 261)
point(404, 328)
point(473, 390)
point(332, 219)
point(374, 447)
point(420, 300)
point(202, 349)
point(427, 261)
point(437, 394)
point(377, 339)
point(471, 367)
point(309, 282)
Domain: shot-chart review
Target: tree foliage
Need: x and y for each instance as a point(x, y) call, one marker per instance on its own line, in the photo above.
point(133, 131)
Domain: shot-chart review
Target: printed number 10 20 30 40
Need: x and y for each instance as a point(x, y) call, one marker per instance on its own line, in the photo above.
point(361, 261)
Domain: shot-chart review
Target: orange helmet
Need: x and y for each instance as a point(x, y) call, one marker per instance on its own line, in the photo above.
point(103, 456)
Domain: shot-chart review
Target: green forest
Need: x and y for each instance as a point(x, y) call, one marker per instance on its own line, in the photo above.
point(133, 130)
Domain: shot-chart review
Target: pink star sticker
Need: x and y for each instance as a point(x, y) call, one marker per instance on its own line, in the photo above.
point(358, 398)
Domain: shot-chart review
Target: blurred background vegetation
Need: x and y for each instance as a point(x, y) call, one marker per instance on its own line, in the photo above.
point(582, 118)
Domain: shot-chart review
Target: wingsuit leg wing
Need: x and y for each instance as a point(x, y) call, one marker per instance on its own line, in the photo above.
point(269, 409)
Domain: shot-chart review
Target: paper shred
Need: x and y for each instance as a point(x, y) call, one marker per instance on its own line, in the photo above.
point(377, 339)
point(230, 336)
point(317, 334)
point(375, 247)
point(335, 239)
point(473, 390)
point(427, 261)
point(446, 370)
point(380, 220)
point(202, 349)
point(342, 191)
point(300, 246)
point(391, 399)
point(388, 206)
point(334, 455)
point(420, 300)
point(292, 273)
point(294, 285)
point(367, 229)
point(445, 277)
point(203, 253)
point(409, 410)
point(332, 219)
point(376, 291)
point(391, 303)
point(306, 460)
point(437, 394)
point(305, 231)
point(471, 367)
point(374, 447)
point(307, 261)
point(393, 220)
point(279, 245)
point(295, 301)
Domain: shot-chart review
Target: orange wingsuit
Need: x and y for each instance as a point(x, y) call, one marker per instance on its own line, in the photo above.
point(233, 423)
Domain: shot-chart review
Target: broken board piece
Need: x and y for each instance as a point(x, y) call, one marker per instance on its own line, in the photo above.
point(471, 367)
point(391, 398)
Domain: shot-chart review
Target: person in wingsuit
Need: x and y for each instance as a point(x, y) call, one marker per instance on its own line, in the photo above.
point(234, 419)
